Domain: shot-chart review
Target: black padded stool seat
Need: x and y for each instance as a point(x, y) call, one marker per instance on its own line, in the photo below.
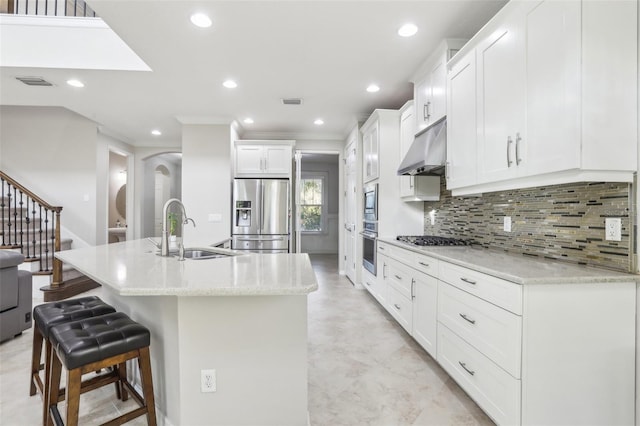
point(82, 342)
point(91, 344)
point(54, 313)
point(48, 315)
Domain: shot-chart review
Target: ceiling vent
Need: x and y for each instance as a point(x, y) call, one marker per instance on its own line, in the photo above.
point(34, 81)
point(292, 101)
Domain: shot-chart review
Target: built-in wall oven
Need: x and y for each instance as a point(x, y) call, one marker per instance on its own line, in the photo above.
point(370, 228)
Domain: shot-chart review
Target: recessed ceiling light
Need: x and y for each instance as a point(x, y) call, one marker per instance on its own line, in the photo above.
point(75, 83)
point(407, 30)
point(200, 20)
point(156, 132)
point(230, 84)
point(319, 122)
point(248, 120)
point(372, 88)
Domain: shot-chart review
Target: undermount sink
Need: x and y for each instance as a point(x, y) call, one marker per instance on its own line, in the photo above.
point(200, 254)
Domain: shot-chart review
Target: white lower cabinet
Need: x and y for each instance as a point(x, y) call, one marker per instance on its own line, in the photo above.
point(400, 307)
point(495, 390)
point(412, 293)
point(425, 293)
point(555, 353)
point(496, 333)
point(377, 288)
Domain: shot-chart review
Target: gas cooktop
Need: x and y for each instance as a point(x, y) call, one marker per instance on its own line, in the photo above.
point(430, 240)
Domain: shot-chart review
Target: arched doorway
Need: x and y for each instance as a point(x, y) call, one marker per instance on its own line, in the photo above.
point(162, 180)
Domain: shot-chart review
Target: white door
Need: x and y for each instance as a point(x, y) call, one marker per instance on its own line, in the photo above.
point(350, 214)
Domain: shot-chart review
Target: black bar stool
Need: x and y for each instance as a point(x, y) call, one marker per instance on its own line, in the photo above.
point(48, 315)
point(92, 344)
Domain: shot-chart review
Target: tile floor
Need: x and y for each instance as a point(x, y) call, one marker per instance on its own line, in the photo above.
point(363, 369)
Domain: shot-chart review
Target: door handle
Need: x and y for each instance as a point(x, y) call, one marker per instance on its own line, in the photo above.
point(509, 142)
point(468, 281)
point(518, 140)
point(466, 318)
point(464, 365)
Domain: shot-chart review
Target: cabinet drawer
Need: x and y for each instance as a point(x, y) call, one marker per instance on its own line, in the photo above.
point(398, 276)
point(500, 292)
point(495, 391)
point(397, 253)
point(374, 286)
point(400, 308)
point(425, 264)
point(494, 332)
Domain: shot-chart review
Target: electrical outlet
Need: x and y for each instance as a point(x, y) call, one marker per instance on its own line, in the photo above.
point(207, 380)
point(507, 224)
point(613, 229)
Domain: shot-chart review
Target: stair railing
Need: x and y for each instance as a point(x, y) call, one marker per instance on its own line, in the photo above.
point(77, 8)
point(31, 224)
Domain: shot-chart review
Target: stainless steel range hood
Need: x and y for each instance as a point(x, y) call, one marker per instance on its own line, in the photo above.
point(427, 154)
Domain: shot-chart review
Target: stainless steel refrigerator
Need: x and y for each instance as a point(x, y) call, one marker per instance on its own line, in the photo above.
point(261, 215)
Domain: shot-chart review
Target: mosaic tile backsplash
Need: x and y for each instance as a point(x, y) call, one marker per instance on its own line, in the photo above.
point(561, 222)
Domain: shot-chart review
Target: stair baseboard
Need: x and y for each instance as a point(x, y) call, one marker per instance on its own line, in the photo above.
point(68, 289)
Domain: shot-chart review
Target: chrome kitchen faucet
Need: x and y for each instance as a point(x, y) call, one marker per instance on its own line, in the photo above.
point(164, 242)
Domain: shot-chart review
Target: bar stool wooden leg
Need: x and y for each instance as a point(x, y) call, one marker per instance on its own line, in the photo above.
point(74, 380)
point(36, 354)
point(47, 378)
point(122, 373)
point(144, 365)
point(55, 367)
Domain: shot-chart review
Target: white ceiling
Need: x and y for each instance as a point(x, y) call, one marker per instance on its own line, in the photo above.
point(325, 52)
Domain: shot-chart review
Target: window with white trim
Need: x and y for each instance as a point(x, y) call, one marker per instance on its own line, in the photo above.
point(312, 203)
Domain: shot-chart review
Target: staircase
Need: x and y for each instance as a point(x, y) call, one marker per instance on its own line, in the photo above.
point(31, 226)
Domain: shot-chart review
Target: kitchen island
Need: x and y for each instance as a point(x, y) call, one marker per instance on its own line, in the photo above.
point(243, 316)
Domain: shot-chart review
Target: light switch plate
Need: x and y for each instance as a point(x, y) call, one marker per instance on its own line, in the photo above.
point(507, 224)
point(613, 229)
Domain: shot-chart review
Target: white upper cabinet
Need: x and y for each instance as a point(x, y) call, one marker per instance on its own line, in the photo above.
point(370, 142)
point(461, 122)
point(253, 159)
point(553, 87)
point(556, 96)
point(430, 85)
point(501, 100)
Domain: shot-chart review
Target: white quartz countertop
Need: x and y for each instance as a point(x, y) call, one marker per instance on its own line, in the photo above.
point(132, 268)
point(519, 269)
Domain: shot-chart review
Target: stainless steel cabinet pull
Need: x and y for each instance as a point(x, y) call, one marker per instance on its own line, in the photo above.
point(464, 365)
point(466, 318)
point(447, 168)
point(397, 276)
point(396, 306)
point(467, 280)
point(509, 142)
point(426, 265)
point(368, 283)
point(413, 282)
point(384, 271)
point(425, 113)
point(381, 248)
point(518, 140)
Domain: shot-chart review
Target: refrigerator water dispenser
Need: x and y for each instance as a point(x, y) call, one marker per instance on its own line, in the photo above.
point(243, 213)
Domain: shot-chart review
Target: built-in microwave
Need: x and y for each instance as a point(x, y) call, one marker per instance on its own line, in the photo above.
point(371, 203)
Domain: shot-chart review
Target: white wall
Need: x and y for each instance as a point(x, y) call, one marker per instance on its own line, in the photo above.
point(326, 241)
point(52, 151)
point(206, 182)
